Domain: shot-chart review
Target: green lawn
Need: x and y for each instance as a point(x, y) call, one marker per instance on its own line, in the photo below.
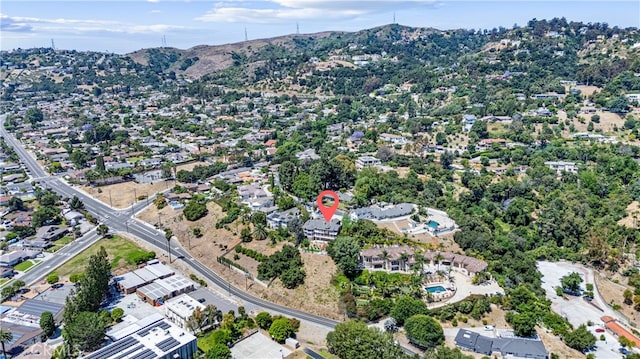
point(23, 266)
point(120, 251)
point(327, 355)
point(60, 243)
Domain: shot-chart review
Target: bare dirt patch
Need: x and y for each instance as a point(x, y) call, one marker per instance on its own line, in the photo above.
point(612, 292)
point(633, 213)
point(317, 295)
point(121, 195)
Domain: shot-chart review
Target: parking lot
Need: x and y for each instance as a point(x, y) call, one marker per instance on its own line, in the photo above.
point(259, 346)
point(577, 310)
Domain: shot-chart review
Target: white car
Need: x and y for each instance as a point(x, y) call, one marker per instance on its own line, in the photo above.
point(488, 327)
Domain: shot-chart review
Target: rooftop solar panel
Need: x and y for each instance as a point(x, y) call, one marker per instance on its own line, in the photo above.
point(114, 348)
point(167, 344)
point(129, 352)
point(147, 354)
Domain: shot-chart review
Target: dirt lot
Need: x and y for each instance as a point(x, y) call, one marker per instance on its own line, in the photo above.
point(633, 213)
point(121, 195)
point(612, 292)
point(316, 295)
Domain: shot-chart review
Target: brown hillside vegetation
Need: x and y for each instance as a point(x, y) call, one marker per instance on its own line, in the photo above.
point(218, 57)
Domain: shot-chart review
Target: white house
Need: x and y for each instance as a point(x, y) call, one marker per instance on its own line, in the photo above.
point(179, 309)
point(367, 161)
point(395, 139)
point(561, 166)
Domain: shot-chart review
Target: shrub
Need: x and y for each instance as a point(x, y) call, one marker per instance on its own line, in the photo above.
point(52, 278)
point(75, 277)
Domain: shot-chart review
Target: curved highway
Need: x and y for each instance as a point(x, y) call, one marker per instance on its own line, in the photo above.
point(122, 220)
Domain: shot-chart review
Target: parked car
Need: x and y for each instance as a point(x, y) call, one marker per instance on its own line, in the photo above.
point(488, 327)
point(624, 351)
point(599, 330)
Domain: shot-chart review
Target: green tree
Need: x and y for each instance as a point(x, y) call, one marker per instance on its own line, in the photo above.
point(76, 203)
point(102, 229)
point(423, 331)
point(219, 351)
point(245, 235)
point(194, 210)
point(5, 337)
point(47, 324)
point(34, 116)
point(86, 331)
point(260, 232)
point(16, 204)
point(628, 297)
point(45, 215)
point(117, 314)
point(354, 340)
point(345, 252)
point(264, 320)
point(94, 285)
point(406, 307)
point(259, 219)
point(580, 339)
point(571, 282)
point(281, 329)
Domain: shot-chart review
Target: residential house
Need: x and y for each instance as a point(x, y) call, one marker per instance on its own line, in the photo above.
point(468, 121)
point(618, 330)
point(381, 213)
point(490, 143)
point(394, 139)
point(50, 233)
point(512, 347)
point(320, 230)
point(392, 259)
point(12, 258)
point(309, 154)
point(367, 161)
point(561, 166)
point(282, 219)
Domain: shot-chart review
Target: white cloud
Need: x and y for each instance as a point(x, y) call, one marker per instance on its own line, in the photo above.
point(153, 0)
point(155, 11)
point(63, 25)
point(273, 11)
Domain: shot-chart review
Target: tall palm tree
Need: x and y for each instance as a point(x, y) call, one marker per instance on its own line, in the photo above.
point(384, 256)
point(168, 233)
point(5, 337)
point(438, 259)
point(404, 257)
point(260, 232)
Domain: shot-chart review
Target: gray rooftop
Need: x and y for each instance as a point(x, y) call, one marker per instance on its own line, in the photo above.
point(321, 224)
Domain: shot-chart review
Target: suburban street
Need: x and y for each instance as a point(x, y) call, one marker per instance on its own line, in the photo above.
point(122, 221)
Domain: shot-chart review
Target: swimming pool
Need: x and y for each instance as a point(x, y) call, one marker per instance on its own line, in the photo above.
point(433, 224)
point(435, 289)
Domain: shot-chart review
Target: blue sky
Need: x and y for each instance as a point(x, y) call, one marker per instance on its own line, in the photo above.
point(127, 25)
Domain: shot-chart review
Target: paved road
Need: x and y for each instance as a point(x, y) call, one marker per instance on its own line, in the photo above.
point(60, 257)
point(121, 220)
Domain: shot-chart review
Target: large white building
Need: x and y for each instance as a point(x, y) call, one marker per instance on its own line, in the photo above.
point(179, 309)
point(152, 337)
point(367, 161)
point(561, 166)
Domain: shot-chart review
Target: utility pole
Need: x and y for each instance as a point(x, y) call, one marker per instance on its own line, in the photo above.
point(110, 202)
point(169, 248)
point(246, 38)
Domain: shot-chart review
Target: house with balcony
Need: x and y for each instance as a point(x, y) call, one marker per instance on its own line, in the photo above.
point(367, 161)
point(401, 259)
point(320, 230)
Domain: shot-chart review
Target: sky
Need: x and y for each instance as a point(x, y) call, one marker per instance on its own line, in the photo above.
point(127, 25)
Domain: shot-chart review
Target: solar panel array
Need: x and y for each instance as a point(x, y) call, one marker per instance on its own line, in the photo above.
point(161, 324)
point(115, 348)
point(147, 354)
point(167, 344)
point(129, 352)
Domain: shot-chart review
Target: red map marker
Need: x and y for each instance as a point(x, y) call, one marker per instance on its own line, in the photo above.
point(328, 212)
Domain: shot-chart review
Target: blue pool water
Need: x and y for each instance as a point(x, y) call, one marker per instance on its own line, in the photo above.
point(436, 289)
point(433, 224)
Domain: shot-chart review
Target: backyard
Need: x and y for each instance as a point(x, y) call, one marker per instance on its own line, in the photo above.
point(26, 265)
